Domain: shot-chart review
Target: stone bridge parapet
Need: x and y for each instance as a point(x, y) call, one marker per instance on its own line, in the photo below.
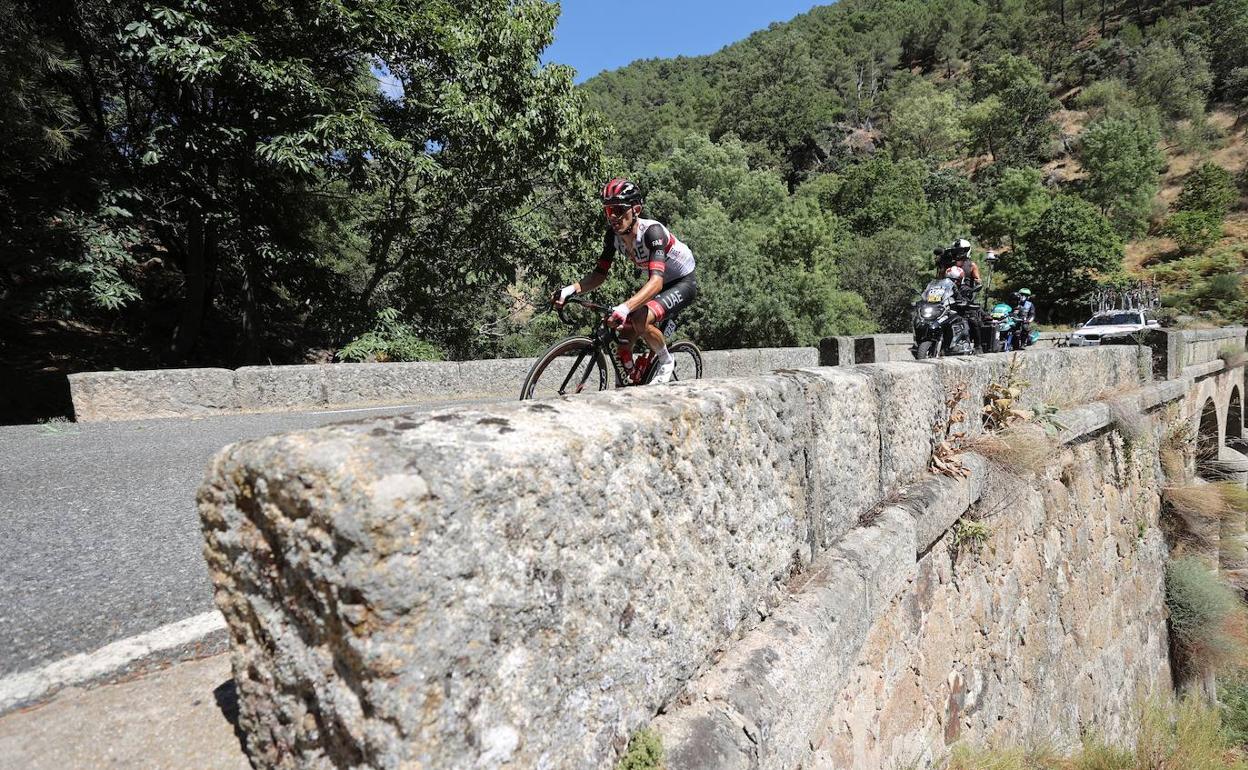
point(527, 584)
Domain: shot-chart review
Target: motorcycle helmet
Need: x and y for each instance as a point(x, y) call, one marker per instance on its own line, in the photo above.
point(1001, 311)
point(1024, 293)
point(961, 249)
point(955, 273)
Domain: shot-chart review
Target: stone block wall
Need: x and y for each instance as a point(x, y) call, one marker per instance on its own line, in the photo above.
point(1052, 627)
point(122, 395)
point(526, 584)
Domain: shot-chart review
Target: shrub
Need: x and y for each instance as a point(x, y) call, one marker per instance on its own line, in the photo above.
point(1209, 188)
point(1194, 231)
point(645, 752)
point(390, 340)
point(1207, 620)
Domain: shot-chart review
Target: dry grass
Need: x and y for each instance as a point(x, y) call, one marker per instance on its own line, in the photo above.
point(1234, 495)
point(1233, 356)
point(1018, 449)
point(1182, 736)
point(1194, 513)
point(1208, 620)
point(1129, 421)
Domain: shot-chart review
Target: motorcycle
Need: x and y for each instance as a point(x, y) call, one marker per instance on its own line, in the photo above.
point(1008, 329)
point(1004, 328)
point(939, 328)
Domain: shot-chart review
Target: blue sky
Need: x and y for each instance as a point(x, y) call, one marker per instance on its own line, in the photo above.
point(594, 35)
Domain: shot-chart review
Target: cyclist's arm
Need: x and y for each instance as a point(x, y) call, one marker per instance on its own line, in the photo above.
point(656, 241)
point(594, 278)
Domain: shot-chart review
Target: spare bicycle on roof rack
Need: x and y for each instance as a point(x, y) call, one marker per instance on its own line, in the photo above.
point(1118, 313)
point(584, 364)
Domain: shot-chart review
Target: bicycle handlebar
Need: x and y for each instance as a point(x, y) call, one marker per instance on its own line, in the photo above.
point(603, 309)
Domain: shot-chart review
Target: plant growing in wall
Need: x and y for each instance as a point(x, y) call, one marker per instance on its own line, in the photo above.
point(1001, 399)
point(644, 752)
point(1208, 622)
point(950, 436)
point(969, 535)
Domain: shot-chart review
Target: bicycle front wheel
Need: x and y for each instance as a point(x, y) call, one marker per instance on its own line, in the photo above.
point(573, 366)
point(688, 361)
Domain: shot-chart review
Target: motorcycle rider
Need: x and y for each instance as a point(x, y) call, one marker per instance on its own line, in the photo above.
point(1025, 312)
point(964, 322)
point(958, 255)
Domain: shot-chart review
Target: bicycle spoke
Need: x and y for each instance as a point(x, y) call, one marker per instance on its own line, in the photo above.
point(563, 388)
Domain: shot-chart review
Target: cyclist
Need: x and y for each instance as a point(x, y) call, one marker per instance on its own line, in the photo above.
point(670, 286)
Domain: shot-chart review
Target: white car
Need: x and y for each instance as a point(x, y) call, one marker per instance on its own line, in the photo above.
point(1114, 323)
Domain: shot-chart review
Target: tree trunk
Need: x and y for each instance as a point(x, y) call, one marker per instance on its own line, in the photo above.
point(251, 309)
point(195, 289)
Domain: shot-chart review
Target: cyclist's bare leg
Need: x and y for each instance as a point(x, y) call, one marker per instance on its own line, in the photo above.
point(642, 321)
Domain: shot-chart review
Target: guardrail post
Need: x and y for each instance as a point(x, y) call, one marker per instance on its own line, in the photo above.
point(836, 351)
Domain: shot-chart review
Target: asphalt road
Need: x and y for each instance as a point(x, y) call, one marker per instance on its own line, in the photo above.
point(99, 535)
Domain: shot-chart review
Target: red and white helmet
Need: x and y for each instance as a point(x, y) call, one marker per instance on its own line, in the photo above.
point(955, 273)
point(621, 191)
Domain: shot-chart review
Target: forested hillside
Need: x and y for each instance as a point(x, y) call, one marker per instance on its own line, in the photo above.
point(220, 183)
point(825, 157)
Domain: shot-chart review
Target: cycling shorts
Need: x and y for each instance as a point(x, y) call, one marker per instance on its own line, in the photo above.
point(675, 297)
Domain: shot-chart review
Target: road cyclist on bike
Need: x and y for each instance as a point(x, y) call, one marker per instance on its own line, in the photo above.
point(670, 285)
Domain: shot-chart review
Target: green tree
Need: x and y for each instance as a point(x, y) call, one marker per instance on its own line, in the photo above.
point(1173, 79)
point(1012, 207)
point(1011, 116)
point(1123, 165)
point(925, 123)
point(1228, 36)
point(874, 194)
point(1070, 249)
point(1193, 230)
point(891, 266)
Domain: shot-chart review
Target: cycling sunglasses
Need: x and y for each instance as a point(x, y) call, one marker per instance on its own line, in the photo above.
point(617, 210)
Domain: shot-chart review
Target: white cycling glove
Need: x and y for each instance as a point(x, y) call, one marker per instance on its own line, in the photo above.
point(566, 291)
point(620, 314)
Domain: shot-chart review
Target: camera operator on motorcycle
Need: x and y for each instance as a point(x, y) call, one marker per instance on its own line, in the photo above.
point(655, 252)
point(959, 255)
point(955, 263)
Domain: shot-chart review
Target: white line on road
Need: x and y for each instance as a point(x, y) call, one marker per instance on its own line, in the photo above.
point(31, 685)
point(368, 409)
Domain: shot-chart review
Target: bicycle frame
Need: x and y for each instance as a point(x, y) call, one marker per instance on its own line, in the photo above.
point(607, 339)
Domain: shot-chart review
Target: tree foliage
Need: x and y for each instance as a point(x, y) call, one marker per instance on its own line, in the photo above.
point(1123, 165)
point(1071, 248)
point(225, 182)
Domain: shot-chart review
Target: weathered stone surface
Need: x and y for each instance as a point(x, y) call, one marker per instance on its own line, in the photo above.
point(265, 388)
point(396, 383)
point(449, 589)
point(502, 376)
point(812, 639)
point(771, 359)
point(1053, 627)
point(525, 585)
point(161, 393)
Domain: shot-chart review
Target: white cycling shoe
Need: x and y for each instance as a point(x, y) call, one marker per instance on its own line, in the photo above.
point(664, 373)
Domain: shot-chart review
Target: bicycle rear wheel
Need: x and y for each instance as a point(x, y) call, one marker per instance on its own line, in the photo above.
point(688, 361)
point(572, 366)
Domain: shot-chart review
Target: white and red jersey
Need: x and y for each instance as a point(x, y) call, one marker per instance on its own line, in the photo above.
point(654, 251)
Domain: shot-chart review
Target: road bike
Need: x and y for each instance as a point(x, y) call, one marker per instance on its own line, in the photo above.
point(584, 364)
